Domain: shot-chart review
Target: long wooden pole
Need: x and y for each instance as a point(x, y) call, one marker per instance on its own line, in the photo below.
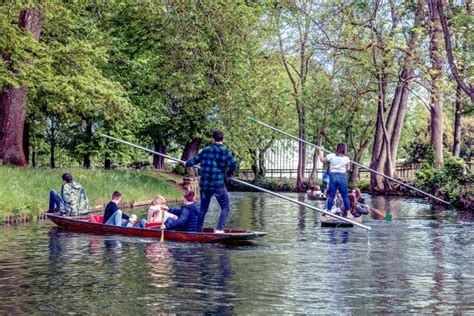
point(362, 166)
point(244, 183)
point(383, 214)
point(162, 239)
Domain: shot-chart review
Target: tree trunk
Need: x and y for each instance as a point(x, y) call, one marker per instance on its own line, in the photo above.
point(33, 156)
point(300, 185)
point(388, 154)
point(405, 81)
point(254, 155)
point(436, 73)
point(26, 141)
point(52, 162)
point(261, 159)
point(457, 123)
point(87, 155)
point(191, 149)
point(107, 162)
point(439, 18)
point(159, 161)
point(314, 171)
point(376, 181)
point(12, 109)
point(13, 100)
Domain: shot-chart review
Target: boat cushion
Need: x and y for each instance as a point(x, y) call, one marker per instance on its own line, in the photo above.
point(98, 219)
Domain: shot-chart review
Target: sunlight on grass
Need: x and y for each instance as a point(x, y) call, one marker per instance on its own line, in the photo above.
point(25, 191)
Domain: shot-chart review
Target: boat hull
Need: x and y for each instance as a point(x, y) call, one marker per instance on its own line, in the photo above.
point(82, 223)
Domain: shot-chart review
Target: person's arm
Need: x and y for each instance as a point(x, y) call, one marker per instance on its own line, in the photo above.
point(174, 210)
point(182, 219)
point(194, 161)
point(321, 156)
point(348, 165)
point(125, 216)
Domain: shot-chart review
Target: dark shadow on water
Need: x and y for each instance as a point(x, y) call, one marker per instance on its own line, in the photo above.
point(338, 236)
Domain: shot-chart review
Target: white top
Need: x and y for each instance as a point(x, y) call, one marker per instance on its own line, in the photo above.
point(337, 163)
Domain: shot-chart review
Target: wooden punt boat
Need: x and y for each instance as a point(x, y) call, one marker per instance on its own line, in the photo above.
point(316, 197)
point(90, 224)
point(328, 221)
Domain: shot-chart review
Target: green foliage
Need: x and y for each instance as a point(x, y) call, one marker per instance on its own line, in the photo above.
point(282, 185)
point(165, 73)
point(447, 182)
point(181, 170)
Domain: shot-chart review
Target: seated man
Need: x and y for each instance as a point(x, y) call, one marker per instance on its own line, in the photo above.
point(113, 215)
point(187, 215)
point(72, 201)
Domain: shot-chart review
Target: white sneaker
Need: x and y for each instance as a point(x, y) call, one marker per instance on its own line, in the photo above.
point(336, 210)
point(218, 231)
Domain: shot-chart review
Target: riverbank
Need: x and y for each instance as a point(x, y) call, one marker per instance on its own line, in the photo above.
point(24, 192)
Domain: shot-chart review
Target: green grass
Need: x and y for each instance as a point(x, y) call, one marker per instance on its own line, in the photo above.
point(24, 192)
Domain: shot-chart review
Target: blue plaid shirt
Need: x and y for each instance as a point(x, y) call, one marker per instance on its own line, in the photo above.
point(216, 163)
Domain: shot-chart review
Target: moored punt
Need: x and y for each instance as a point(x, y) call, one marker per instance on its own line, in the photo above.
point(328, 221)
point(83, 223)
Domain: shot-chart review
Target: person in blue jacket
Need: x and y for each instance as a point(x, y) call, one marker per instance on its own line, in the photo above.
point(188, 215)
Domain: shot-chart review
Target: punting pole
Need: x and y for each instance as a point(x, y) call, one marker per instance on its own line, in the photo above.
point(244, 183)
point(374, 171)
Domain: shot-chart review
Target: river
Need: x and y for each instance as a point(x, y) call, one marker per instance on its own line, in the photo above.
point(420, 262)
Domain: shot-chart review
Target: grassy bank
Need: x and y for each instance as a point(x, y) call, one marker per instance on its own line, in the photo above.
point(24, 192)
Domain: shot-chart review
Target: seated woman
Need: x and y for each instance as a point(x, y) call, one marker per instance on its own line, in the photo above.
point(358, 196)
point(187, 215)
point(357, 209)
point(158, 210)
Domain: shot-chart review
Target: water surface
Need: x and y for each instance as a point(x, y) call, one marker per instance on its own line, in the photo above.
point(420, 262)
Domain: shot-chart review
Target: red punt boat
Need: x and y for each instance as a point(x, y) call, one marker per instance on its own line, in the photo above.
point(93, 223)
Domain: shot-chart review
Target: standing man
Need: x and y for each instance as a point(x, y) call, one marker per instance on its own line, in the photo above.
point(217, 163)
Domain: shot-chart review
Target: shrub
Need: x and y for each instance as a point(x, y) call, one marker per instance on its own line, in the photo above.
point(182, 170)
point(449, 183)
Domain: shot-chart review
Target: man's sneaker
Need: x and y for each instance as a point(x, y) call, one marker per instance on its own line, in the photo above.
point(218, 231)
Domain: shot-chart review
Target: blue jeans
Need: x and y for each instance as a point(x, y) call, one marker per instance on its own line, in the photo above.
point(140, 224)
point(54, 201)
point(115, 219)
point(222, 198)
point(338, 182)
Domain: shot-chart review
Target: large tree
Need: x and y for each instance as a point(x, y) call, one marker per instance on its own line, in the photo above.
point(13, 98)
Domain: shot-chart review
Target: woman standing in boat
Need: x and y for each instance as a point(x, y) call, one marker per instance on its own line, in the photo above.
point(338, 168)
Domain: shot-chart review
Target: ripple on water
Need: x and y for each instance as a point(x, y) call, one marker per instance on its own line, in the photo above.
point(421, 262)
